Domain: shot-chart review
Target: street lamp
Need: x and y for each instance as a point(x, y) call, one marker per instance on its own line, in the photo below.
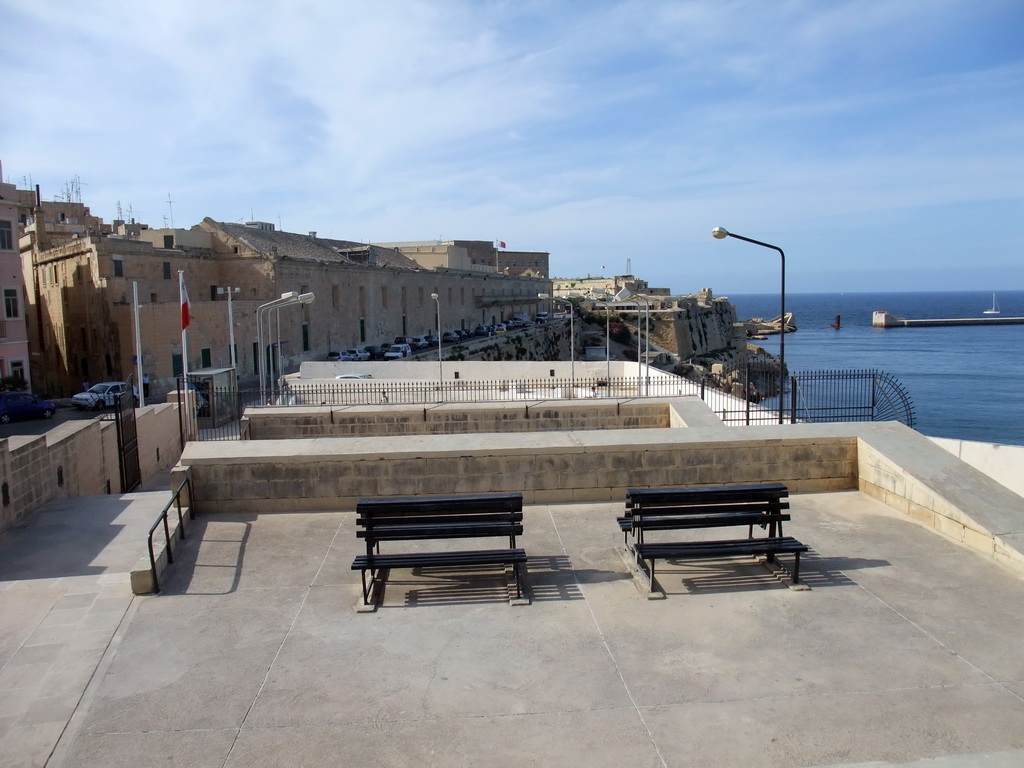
point(572, 336)
point(440, 370)
point(720, 233)
point(231, 323)
point(287, 299)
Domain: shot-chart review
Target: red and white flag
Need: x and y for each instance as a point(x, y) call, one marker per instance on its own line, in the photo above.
point(500, 243)
point(185, 318)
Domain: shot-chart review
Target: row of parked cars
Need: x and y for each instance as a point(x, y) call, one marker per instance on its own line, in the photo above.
point(404, 346)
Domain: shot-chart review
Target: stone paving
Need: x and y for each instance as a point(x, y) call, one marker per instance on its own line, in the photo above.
point(64, 592)
point(906, 650)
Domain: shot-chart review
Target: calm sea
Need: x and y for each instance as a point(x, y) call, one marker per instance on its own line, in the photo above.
point(964, 382)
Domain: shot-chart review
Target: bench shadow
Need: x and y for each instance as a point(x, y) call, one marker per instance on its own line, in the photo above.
point(545, 578)
point(738, 574)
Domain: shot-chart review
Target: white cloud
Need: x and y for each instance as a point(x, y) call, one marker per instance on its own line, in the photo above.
point(597, 130)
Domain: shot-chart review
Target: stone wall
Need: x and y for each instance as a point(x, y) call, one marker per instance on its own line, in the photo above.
point(79, 458)
point(311, 474)
point(705, 326)
point(455, 418)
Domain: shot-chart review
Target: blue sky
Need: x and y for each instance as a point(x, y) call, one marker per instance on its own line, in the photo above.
point(879, 142)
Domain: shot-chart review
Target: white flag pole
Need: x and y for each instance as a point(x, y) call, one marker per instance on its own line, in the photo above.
point(138, 345)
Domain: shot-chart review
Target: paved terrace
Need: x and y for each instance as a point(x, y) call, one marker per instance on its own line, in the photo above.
point(906, 650)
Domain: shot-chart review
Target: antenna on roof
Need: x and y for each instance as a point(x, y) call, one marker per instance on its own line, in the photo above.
point(170, 207)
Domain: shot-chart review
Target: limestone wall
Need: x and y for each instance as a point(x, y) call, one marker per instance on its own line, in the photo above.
point(702, 327)
point(310, 474)
point(456, 418)
point(1002, 463)
point(79, 458)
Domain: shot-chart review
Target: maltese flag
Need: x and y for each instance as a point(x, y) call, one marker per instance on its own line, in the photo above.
point(185, 319)
point(500, 243)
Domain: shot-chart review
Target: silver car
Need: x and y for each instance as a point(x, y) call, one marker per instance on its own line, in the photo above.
point(102, 395)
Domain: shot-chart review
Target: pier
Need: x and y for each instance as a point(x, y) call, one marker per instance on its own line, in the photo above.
point(882, 319)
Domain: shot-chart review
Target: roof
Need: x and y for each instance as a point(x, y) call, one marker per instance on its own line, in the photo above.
point(291, 245)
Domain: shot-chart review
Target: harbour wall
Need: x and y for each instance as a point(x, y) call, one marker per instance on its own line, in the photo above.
point(883, 319)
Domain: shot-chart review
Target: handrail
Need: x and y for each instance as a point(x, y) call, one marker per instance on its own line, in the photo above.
point(176, 497)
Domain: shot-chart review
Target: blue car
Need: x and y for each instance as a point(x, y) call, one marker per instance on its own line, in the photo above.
point(21, 405)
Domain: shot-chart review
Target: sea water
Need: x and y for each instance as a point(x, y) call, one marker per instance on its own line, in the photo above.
point(965, 382)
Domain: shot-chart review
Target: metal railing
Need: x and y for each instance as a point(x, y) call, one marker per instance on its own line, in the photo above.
point(175, 501)
point(748, 400)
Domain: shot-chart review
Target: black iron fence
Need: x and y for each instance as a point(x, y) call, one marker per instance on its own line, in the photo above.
point(748, 396)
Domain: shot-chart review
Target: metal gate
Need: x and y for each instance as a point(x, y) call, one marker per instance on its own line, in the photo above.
point(127, 439)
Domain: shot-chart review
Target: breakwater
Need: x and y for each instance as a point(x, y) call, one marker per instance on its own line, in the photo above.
point(880, 319)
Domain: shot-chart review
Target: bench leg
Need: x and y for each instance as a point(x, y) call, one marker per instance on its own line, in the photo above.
point(366, 593)
point(796, 567)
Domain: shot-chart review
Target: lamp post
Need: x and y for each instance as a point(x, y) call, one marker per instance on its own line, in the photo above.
point(440, 370)
point(287, 299)
point(720, 233)
point(572, 337)
point(231, 324)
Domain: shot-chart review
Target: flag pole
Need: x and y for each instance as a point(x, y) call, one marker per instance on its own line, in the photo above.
point(185, 311)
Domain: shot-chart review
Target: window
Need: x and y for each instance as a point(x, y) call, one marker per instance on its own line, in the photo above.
point(6, 236)
point(384, 297)
point(255, 359)
point(167, 270)
point(362, 330)
point(118, 268)
point(305, 337)
point(206, 358)
point(177, 368)
point(168, 241)
point(213, 293)
point(11, 303)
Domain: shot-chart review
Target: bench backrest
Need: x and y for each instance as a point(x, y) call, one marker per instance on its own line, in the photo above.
point(715, 505)
point(651, 498)
point(440, 517)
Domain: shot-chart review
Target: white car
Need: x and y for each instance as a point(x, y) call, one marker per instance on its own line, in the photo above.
point(102, 395)
point(397, 352)
point(354, 355)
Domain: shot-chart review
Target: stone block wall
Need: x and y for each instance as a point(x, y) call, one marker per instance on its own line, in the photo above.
point(79, 458)
point(308, 474)
point(455, 418)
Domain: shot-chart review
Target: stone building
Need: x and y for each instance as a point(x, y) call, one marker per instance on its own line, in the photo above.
point(474, 255)
point(14, 350)
point(83, 289)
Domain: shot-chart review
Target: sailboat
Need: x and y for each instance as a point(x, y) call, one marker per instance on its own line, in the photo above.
point(995, 307)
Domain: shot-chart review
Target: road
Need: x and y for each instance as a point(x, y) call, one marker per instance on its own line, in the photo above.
point(41, 426)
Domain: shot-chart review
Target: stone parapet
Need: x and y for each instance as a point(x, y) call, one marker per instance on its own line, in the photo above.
point(886, 460)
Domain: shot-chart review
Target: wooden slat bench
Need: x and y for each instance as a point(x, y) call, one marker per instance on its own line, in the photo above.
point(417, 518)
point(671, 509)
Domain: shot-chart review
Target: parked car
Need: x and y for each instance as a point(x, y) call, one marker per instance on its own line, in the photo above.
point(354, 376)
point(375, 352)
point(500, 328)
point(333, 356)
point(464, 334)
point(22, 405)
point(418, 342)
point(403, 340)
point(482, 330)
point(102, 395)
point(397, 352)
point(431, 340)
point(450, 337)
point(355, 354)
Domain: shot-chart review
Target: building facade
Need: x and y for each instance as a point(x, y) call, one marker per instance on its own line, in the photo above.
point(85, 292)
point(14, 349)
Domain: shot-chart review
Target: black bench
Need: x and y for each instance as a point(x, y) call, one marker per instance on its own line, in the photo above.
point(671, 509)
point(416, 518)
